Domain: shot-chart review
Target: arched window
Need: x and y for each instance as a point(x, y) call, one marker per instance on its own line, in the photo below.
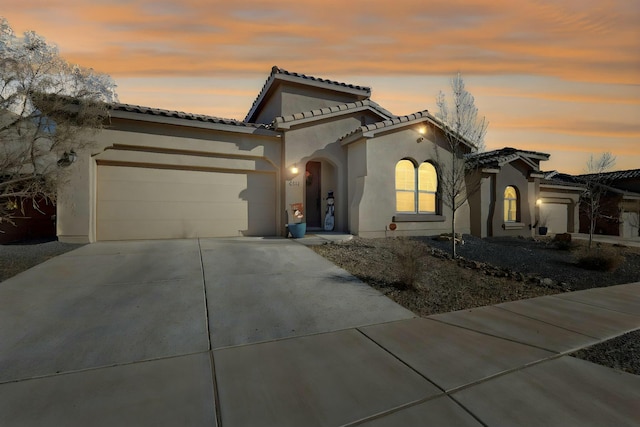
point(416, 187)
point(510, 204)
point(405, 186)
point(427, 188)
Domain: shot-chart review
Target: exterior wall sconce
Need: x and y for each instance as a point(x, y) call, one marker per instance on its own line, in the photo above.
point(67, 158)
point(294, 170)
point(421, 130)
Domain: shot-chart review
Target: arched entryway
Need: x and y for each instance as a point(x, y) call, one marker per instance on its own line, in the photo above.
point(319, 180)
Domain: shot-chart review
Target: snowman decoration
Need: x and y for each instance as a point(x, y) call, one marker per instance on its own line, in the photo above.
point(329, 219)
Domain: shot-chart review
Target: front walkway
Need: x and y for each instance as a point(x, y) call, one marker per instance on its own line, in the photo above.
point(264, 332)
point(608, 239)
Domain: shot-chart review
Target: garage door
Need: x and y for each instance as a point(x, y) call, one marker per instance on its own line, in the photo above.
point(557, 216)
point(145, 203)
point(630, 225)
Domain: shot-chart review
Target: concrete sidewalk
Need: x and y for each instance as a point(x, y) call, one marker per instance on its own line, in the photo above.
point(613, 240)
point(264, 332)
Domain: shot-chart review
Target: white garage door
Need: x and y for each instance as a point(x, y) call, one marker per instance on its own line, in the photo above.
point(143, 203)
point(630, 225)
point(557, 216)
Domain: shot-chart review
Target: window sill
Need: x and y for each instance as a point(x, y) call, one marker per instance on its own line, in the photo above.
point(418, 218)
point(513, 225)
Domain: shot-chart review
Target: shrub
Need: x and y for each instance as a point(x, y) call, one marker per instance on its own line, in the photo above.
point(410, 256)
point(600, 260)
point(563, 241)
point(563, 245)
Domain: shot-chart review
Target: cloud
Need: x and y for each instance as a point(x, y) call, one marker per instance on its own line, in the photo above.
point(585, 41)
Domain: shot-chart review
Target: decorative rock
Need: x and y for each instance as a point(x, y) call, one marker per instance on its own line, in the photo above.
point(563, 237)
point(547, 282)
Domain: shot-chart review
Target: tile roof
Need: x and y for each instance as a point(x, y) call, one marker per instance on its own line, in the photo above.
point(278, 70)
point(616, 175)
point(181, 115)
point(505, 155)
point(330, 110)
point(275, 70)
point(557, 178)
point(424, 114)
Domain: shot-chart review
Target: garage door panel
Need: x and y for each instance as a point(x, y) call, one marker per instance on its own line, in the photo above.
point(113, 209)
point(150, 191)
point(557, 217)
point(143, 203)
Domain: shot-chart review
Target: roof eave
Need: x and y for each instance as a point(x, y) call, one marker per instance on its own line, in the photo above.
point(350, 139)
point(560, 186)
point(186, 122)
point(281, 123)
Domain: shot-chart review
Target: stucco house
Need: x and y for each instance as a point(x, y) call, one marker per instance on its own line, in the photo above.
point(166, 174)
point(506, 202)
point(619, 211)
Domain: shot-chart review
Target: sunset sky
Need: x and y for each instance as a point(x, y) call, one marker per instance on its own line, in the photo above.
point(558, 76)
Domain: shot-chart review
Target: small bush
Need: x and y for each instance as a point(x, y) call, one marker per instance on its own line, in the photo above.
point(563, 245)
point(600, 260)
point(410, 256)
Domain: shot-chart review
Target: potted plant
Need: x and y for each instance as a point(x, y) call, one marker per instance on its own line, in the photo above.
point(299, 228)
point(542, 225)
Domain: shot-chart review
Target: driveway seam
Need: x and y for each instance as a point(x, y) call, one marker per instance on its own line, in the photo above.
point(97, 368)
point(403, 362)
point(204, 290)
point(216, 395)
point(450, 392)
point(214, 380)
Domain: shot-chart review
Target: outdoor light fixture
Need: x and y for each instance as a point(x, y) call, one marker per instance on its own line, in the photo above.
point(294, 170)
point(67, 158)
point(421, 130)
point(539, 202)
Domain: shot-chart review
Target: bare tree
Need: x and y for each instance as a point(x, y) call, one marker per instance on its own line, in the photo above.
point(463, 134)
point(48, 111)
point(595, 181)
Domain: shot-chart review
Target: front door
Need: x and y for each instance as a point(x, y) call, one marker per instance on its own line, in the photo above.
point(313, 199)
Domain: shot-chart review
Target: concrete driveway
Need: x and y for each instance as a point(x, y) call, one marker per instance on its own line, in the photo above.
point(120, 333)
point(263, 332)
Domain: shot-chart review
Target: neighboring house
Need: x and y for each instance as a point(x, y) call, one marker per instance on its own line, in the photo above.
point(166, 174)
point(559, 203)
point(620, 205)
point(505, 186)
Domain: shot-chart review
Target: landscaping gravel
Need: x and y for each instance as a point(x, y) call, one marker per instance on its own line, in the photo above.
point(542, 258)
point(621, 353)
point(17, 257)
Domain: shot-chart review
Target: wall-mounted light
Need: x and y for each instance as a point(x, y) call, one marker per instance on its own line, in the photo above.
point(422, 130)
point(67, 158)
point(539, 202)
point(294, 170)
